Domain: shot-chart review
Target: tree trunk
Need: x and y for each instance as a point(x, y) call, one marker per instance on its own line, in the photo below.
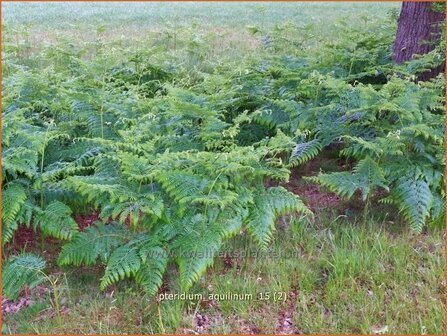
point(417, 33)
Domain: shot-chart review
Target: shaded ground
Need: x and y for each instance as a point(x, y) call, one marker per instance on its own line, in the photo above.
point(342, 277)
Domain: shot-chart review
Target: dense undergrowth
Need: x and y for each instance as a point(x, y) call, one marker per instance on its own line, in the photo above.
point(179, 156)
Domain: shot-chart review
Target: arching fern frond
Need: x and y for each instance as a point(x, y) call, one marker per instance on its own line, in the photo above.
point(134, 210)
point(268, 204)
point(195, 253)
point(19, 160)
point(13, 198)
point(366, 176)
point(134, 167)
point(304, 151)
point(414, 200)
point(360, 147)
point(21, 270)
point(231, 220)
point(426, 132)
point(343, 183)
point(183, 186)
point(97, 241)
point(56, 221)
point(124, 262)
point(150, 275)
point(142, 258)
point(369, 175)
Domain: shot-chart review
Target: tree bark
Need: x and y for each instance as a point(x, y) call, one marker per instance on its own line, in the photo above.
point(418, 31)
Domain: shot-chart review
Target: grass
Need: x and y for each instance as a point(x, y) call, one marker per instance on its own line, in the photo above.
point(143, 14)
point(217, 32)
point(349, 277)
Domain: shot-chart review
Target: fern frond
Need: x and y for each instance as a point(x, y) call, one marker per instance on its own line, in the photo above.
point(150, 275)
point(20, 160)
point(304, 151)
point(342, 183)
point(124, 262)
point(56, 221)
point(134, 167)
point(13, 198)
point(61, 170)
point(438, 209)
point(134, 210)
point(269, 204)
point(97, 241)
point(194, 253)
point(417, 169)
point(273, 169)
point(8, 232)
point(414, 199)
point(279, 143)
point(369, 175)
point(21, 270)
point(426, 132)
point(100, 189)
point(366, 175)
point(361, 147)
point(276, 112)
point(230, 221)
point(183, 186)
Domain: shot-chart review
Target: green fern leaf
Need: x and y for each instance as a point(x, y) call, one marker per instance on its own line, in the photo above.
point(304, 151)
point(230, 221)
point(124, 262)
point(414, 199)
point(369, 175)
point(194, 253)
point(134, 167)
point(97, 241)
point(268, 204)
point(8, 232)
point(366, 175)
point(342, 183)
point(21, 270)
point(150, 275)
point(183, 186)
point(56, 221)
point(13, 198)
point(134, 210)
point(20, 160)
point(438, 209)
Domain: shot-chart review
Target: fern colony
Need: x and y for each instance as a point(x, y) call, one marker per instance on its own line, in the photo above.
point(177, 160)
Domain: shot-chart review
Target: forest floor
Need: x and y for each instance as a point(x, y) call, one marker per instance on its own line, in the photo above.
point(339, 274)
point(336, 274)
